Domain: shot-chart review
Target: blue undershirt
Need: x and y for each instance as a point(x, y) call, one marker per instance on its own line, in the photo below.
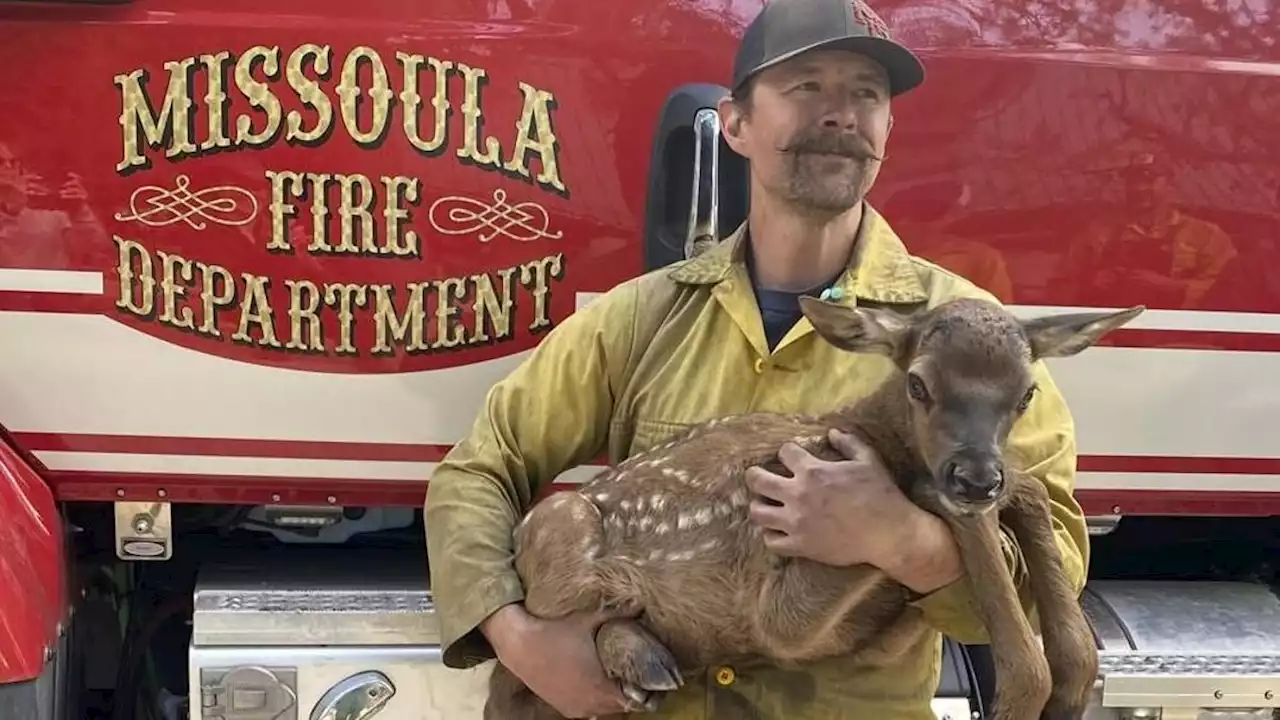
point(779, 309)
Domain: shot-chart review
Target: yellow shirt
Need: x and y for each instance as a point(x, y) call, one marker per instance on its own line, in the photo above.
point(561, 408)
point(1188, 252)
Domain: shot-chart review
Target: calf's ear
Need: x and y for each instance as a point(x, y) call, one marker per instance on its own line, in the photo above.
point(857, 329)
point(1068, 334)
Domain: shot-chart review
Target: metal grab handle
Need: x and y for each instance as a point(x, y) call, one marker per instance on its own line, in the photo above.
point(704, 210)
point(358, 697)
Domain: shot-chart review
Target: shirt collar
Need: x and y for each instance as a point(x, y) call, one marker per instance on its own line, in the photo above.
point(881, 270)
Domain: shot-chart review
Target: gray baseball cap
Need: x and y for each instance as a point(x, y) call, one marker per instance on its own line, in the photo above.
point(787, 28)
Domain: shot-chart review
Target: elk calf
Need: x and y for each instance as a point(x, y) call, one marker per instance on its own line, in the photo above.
point(664, 537)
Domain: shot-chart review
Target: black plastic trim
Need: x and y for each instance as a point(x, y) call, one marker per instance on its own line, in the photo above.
point(671, 176)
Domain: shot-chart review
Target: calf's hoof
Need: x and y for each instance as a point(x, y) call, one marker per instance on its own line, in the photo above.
point(642, 665)
point(639, 700)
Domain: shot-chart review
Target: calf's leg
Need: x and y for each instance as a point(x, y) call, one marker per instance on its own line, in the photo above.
point(556, 547)
point(642, 665)
point(807, 610)
point(1069, 646)
point(1022, 673)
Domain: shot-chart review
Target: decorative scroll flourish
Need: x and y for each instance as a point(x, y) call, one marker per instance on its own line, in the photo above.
point(157, 207)
point(524, 222)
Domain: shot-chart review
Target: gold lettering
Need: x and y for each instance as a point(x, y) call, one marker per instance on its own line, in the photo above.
point(387, 323)
point(130, 249)
point(305, 70)
point(258, 94)
point(448, 335)
point(349, 211)
point(309, 92)
point(380, 93)
point(410, 99)
point(472, 125)
point(539, 272)
point(280, 209)
point(319, 212)
point(215, 99)
point(211, 298)
point(172, 290)
point(298, 314)
point(256, 308)
point(401, 315)
point(535, 118)
point(137, 121)
point(489, 305)
point(344, 295)
point(396, 244)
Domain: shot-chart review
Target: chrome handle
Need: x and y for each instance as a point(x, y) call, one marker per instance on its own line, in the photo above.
point(704, 210)
point(358, 697)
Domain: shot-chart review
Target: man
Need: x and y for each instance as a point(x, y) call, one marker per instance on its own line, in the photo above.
point(810, 111)
point(38, 231)
point(1150, 247)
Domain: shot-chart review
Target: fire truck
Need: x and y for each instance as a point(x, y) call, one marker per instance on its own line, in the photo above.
point(260, 263)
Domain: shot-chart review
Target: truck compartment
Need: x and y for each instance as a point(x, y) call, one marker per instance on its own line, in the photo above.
point(304, 637)
point(245, 621)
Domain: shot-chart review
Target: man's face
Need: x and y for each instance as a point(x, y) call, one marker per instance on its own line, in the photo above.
point(814, 128)
point(1147, 190)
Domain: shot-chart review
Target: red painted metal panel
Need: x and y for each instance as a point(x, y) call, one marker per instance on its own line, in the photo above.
point(1193, 504)
point(303, 449)
point(32, 573)
point(1028, 141)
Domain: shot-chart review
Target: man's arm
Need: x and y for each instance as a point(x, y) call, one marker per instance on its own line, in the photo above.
point(550, 414)
point(1213, 251)
point(1044, 440)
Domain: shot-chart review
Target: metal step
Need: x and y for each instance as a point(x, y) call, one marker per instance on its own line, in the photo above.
point(1180, 650)
point(291, 635)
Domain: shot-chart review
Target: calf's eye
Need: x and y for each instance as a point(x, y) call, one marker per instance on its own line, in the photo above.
point(1026, 399)
point(916, 388)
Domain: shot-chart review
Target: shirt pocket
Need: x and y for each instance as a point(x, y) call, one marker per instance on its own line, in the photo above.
point(652, 433)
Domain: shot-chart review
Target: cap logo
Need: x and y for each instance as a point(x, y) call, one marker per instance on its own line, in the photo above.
point(868, 17)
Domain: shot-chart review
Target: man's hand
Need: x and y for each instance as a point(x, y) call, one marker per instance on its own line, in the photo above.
point(557, 659)
point(848, 512)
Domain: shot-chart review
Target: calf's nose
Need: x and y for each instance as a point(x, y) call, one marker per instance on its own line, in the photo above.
point(975, 480)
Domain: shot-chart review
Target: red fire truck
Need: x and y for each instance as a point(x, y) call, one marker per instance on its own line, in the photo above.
point(260, 263)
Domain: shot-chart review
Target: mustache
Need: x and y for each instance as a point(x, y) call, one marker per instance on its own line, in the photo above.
point(831, 144)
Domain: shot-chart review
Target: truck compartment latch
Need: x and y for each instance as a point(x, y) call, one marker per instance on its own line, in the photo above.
point(144, 531)
point(248, 692)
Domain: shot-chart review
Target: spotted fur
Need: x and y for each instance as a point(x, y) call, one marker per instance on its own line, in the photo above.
point(665, 538)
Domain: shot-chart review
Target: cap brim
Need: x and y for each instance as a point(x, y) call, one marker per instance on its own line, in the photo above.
point(904, 69)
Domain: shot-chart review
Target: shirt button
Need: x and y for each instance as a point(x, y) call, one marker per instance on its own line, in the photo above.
point(759, 366)
point(725, 676)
